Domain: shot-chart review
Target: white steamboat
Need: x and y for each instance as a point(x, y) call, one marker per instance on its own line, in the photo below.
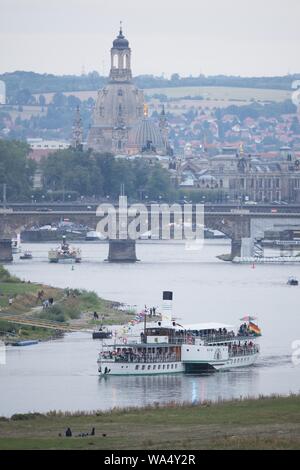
point(64, 253)
point(166, 347)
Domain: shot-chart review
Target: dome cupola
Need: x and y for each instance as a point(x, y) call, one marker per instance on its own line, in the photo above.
point(121, 42)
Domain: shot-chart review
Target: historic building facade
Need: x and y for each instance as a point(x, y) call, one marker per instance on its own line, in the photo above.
point(119, 105)
point(234, 176)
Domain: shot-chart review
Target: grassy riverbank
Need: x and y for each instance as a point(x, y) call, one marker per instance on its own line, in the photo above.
point(71, 307)
point(266, 423)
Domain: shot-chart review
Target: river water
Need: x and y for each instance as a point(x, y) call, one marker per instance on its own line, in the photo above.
point(62, 374)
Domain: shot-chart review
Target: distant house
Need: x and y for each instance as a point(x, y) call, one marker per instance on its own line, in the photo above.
point(43, 148)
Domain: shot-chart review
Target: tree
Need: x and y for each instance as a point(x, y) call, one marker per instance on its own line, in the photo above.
point(102, 175)
point(16, 169)
point(42, 100)
point(175, 77)
point(73, 101)
point(59, 100)
point(24, 97)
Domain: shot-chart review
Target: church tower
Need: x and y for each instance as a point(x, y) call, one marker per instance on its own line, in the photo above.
point(77, 132)
point(119, 105)
point(120, 53)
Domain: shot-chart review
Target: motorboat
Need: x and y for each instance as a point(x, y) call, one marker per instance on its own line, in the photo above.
point(293, 281)
point(26, 255)
point(102, 333)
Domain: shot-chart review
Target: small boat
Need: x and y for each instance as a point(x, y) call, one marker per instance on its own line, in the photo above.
point(293, 281)
point(25, 343)
point(102, 333)
point(26, 255)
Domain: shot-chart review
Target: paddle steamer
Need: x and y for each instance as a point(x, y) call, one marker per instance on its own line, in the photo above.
point(166, 347)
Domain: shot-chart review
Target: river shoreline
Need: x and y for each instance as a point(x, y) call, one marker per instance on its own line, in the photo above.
point(263, 423)
point(24, 316)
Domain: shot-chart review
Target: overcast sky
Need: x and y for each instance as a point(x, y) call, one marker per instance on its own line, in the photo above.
point(238, 37)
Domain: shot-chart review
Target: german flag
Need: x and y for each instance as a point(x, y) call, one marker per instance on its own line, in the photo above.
point(255, 329)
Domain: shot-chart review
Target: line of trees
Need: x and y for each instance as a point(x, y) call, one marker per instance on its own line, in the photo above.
point(20, 85)
point(74, 174)
point(16, 170)
point(101, 175)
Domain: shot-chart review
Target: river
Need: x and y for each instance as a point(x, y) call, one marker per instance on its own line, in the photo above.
point(62, 374)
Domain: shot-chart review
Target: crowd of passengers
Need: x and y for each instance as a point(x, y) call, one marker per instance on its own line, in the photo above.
point(128, 355)
point(245, 349)
point(245, 330)
point(221, 333)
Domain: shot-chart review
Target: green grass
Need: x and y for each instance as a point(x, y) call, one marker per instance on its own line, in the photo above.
point(267, 423)
point(16, 332)
point(78, 307)
point(219, 94)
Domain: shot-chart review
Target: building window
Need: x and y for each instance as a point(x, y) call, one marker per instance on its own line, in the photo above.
point(120, 92)
point(136, 367)
point(115, 61)
point(119, 144)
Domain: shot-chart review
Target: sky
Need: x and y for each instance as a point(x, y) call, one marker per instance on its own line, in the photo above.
point(189, 37)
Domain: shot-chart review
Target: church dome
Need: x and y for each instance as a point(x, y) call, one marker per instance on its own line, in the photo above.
point(121, 42)
point(146, 134)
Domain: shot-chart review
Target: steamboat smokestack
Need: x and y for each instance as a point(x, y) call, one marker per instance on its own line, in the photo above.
point(167, 307)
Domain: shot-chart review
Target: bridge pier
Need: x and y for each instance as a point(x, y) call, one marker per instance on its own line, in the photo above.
point(236, 248)
point(6, 255)
point(122, 251)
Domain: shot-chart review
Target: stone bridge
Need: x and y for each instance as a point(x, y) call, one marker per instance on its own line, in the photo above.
point(241, 226)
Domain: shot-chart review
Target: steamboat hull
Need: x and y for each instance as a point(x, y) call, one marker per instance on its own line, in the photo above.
point(115, 369)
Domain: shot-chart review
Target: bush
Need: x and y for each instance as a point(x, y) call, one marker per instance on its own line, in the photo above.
point(90, 298)
point(54, 313)
point(6, 277)
point(25, 416)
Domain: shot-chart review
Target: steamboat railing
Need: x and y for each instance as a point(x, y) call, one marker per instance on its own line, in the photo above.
point(148, 358)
